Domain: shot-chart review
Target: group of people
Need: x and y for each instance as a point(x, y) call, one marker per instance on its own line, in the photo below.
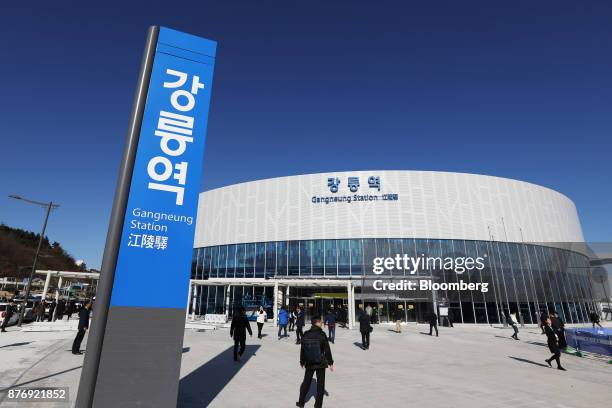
point(315, 352)
point(57, 311)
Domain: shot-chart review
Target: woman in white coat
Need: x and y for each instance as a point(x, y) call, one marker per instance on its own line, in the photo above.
point(261, 319)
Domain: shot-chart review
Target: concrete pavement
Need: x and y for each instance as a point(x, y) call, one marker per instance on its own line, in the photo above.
point(467, 366)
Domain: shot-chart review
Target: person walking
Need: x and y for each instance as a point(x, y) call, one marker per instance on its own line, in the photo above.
point(512, 323)
point(240, 325)
point(292, 317)
point(330, 321)
point(315, 357)
point(433, 322)
point(299, 324)
point(8, 313)
point(83, 327)
point(283, 319)
point(399, 316)
point(450, 317)
point(595, 319)
point(39, 311)
point(52, 307)
point(543, 318)
point(261, 319)
point(558, 326)
point(553, 345)
point(70, 309)
point(365, 328)
point(59, 310)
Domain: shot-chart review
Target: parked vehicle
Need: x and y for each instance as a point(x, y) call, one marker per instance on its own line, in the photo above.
point(14, 317)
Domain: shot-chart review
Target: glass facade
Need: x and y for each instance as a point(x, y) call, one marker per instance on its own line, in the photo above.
point(522, 278)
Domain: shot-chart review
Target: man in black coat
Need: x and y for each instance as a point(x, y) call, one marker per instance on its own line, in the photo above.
point(299, 324)
point(315, 356)
point(558, 326)
point(59, 311)
point(433, 323)
point(52, 307)
point(238, 329)
point(83, 326)
point(553, 346)
point(543, 318)
point(365, 328)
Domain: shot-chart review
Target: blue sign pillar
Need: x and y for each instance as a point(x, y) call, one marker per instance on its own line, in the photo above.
point(135, 345)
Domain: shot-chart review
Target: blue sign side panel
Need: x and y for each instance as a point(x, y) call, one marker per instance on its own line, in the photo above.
point(154, 261)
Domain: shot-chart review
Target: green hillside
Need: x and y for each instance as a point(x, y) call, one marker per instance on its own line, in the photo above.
point(17, 249)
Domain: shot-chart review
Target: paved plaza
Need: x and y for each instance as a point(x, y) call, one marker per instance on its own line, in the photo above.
point(467, 366)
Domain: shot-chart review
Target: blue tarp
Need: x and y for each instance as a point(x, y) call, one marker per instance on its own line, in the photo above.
point(593, 340)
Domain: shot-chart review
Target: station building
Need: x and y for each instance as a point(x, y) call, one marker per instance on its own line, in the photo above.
point(311, 240)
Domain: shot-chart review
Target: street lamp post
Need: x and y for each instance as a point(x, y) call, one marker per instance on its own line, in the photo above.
point(50, 206)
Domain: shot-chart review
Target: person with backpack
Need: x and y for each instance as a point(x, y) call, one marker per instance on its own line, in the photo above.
point(330, 321)
point(315, 357)
point(299, 324)
point(261, 319)
point(283, 320)
point(238, 329)
point(365, 328)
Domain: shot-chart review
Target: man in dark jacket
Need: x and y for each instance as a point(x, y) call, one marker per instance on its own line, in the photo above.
point(451, 318)
point(330, 321)
point(238, 329)
point(558, 326)
point(433, 322)
point(365, 328)
point(315, 356)
point(553, 346)
point(83, 326)
point(52, 306)
point(59, 311)
point(595, 319)
point(299, 324)
point(543, 319)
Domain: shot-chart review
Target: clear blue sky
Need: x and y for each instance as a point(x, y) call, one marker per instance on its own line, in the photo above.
point(515, 89)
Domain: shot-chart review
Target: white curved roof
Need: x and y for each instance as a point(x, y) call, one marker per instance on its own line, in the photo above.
point(429, 204)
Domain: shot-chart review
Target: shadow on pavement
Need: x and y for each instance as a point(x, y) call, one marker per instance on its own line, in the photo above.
point(522, 360)
point(40, 378)
point(537, 343)
point(201, 386)
point(16, 344)
point(358, 344)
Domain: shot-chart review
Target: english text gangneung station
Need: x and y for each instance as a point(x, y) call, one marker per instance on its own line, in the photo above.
point(310, 240)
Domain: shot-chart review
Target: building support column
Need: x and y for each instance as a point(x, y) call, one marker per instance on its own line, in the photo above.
point(352, 305)
point(275, 304)
point(193, 301)
point(59, 287)
point(188, 300)
point(46, 288)
point(287, 297)
point(349, 313)
point(227, 301)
